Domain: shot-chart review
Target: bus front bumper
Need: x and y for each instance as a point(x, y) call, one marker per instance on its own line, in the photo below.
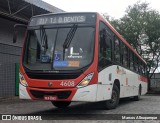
point(87, 93)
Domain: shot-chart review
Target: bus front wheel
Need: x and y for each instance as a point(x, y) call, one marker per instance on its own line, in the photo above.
point(61, 104)
point(113, 102)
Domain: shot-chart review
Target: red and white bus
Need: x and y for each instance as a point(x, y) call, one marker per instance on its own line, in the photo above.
point(79, 57)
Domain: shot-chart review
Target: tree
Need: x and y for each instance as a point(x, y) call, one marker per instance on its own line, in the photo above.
point(140, 26)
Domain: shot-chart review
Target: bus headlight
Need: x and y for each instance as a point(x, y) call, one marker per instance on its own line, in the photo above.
point(85, 81)
point(22, 80)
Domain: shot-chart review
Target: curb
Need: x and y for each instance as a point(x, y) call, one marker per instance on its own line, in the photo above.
point(8, 98)
point(14, 99)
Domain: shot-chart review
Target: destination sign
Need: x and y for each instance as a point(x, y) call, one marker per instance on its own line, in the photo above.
point(63, 19)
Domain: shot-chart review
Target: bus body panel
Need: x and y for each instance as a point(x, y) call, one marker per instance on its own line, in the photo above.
point(129, 82)
point(88, 93)
point(104, 92)
point(144, 87)
point(23, 93)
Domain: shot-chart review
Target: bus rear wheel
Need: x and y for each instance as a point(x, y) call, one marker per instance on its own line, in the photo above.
point(137, 98)
point(113, 102)
point(61, 104)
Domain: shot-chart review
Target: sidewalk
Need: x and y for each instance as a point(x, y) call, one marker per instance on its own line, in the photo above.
point(153, 92)
point(9, 98)
point(13, 99)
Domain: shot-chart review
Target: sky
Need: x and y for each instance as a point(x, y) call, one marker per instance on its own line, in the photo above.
point(114, 8)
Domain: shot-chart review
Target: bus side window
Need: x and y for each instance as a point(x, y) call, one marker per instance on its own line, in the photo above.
point(105, 47)
point(128, 57)
point(102, 50)
point(131, 61)
point(123, 55)
point(108, 46)
point(134, 62)
point(145, 69)
point(140, 66)
point(117, 50)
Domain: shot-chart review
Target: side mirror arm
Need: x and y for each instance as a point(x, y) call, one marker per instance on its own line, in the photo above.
point(15, 31)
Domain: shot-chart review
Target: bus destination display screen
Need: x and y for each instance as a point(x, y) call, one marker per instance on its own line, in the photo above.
point(89, 18)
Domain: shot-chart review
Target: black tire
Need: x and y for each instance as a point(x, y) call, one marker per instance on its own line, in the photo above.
point(61, 104)
point(112, 104)
point(137, 98)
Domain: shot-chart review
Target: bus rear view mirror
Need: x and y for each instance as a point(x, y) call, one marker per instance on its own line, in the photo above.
point(16, 32)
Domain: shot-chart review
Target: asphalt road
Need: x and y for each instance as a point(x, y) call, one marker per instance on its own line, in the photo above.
point(149, 104)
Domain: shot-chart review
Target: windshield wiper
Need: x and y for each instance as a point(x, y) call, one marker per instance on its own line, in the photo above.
point(69, 38)
point(43, 36)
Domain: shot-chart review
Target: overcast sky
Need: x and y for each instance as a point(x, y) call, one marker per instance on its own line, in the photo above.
point(114, 8)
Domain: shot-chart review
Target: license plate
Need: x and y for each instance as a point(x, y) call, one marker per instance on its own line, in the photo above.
point(48, 97)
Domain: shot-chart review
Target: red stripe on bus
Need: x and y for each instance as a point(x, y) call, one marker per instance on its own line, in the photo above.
point(143, 79)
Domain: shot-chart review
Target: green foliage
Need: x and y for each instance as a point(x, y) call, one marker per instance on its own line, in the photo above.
point(140, 26)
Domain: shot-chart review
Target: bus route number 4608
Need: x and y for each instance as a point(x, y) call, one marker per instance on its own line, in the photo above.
point(67, 83)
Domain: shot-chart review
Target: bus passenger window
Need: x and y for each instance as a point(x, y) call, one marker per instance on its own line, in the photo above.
point(141, 68)
point(125, 63)
point(105, 49)
point(128, 57)
point(117, 50)
point(145, 69)
point(131, 61)
point(136, 64)
point(122, 53)
point(108, 48)
point(105, 46)
point(102, 49)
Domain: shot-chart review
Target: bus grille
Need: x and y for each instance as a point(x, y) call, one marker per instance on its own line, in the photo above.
point(41, 94)
point(48, 76)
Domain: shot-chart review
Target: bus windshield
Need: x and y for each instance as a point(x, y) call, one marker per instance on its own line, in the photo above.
point(60, 48)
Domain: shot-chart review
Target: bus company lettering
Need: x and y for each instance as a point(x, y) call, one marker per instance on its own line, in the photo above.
point(74, 19)
point(120, 71)
point(58, 20)
point(142, 78)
